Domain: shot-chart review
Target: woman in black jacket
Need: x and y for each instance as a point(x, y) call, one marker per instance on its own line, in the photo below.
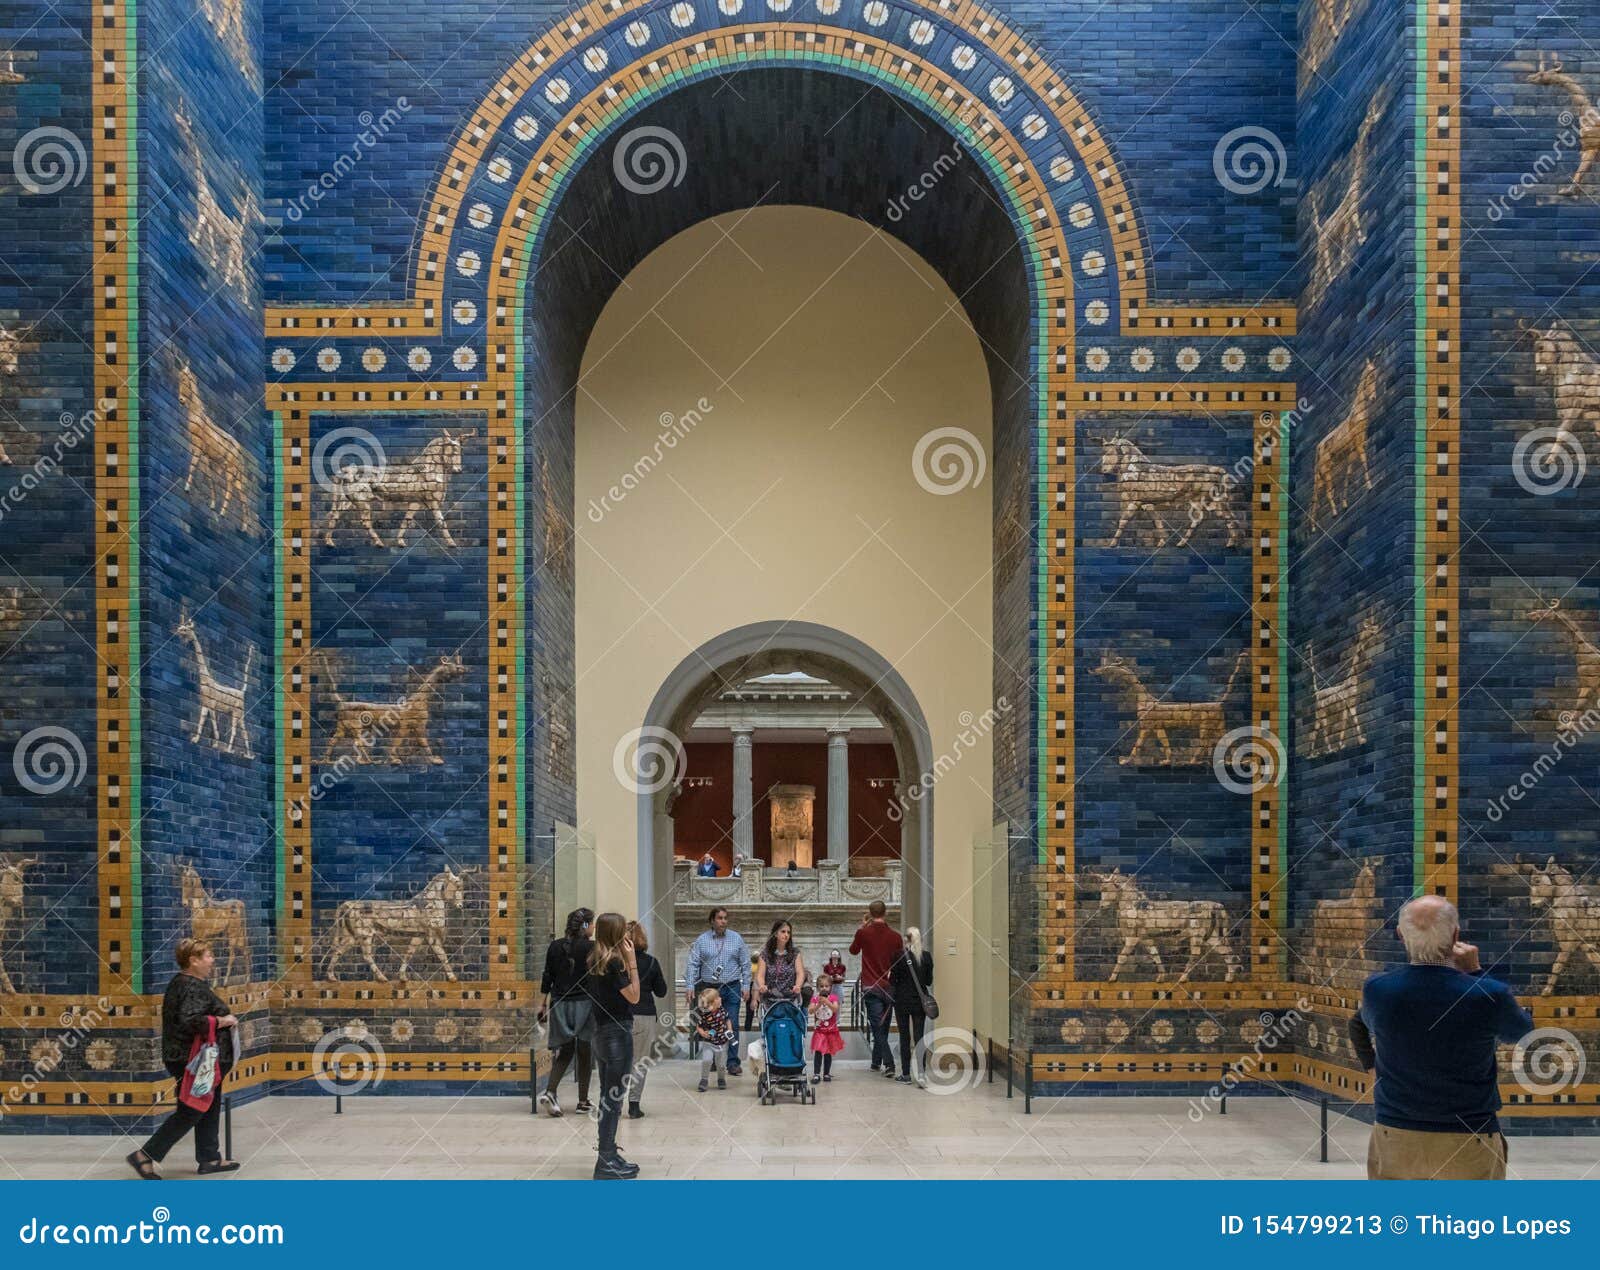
point(189, 1002)
point(913, 966)
point(646, 1023)
point(566, 1008)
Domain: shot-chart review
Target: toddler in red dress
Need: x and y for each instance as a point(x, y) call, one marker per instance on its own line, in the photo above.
point(825, 1038)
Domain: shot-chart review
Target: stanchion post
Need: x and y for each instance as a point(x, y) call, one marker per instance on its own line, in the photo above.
point(1324, 1130)
point(988, 1062)
point(1226, 1068)
point(1027, 1094)
point(227, 1128)
point(1010, 1073)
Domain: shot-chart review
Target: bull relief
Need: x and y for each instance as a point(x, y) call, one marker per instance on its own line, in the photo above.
point(220, 923)
point(1340, 929)
point(216, 459)
point(1337, 233)
point(1341, 461)
point(1200, 926)
point(219, 239)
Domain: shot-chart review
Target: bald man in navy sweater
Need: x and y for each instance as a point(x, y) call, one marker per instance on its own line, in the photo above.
point(1430, 1029)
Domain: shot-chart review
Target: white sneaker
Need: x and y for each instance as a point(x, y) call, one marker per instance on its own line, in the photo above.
point(551, 1107)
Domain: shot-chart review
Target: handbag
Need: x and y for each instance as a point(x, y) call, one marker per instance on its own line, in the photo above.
point(199, 1084)
point(930, 1007)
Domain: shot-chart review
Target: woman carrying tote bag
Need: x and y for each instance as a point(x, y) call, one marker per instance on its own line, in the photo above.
point(566, 1009)
point(911, 983)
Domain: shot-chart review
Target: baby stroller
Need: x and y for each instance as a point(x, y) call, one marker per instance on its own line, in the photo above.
point(783, 1036)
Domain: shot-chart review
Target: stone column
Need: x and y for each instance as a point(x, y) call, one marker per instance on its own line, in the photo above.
point(839, 796)
point(744, 833)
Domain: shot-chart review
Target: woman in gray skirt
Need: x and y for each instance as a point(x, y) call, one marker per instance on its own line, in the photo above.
point(566, 1009)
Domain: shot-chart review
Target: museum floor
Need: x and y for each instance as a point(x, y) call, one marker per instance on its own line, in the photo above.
point(862, 1126)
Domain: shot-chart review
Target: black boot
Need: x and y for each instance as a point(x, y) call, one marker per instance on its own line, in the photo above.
point(635, 1111)
point(614, 1168)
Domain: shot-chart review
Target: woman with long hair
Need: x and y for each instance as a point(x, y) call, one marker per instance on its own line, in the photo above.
point(782, 971)
point(910, 978)
point(646, 1025)
point(566, 1008)
point(613, 987)
point(185, 1010)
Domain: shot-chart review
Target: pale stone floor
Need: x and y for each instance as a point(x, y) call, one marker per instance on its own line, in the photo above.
point(862, 1126)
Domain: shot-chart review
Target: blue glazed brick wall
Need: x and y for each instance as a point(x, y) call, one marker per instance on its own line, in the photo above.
point(206, 482)
point(1529, 850)
point(47, 519)
point(1351, 545)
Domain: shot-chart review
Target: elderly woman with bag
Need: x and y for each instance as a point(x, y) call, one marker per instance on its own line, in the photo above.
point(192, 1018)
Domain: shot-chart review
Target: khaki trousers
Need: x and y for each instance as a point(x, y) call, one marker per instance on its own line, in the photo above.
point(1411, 1155)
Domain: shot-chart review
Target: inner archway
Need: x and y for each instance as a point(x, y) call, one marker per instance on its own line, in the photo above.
point(763, 382)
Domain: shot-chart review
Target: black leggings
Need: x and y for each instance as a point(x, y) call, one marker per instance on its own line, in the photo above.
point(563, 1059)
point(909, 1021)
point(821, 1063)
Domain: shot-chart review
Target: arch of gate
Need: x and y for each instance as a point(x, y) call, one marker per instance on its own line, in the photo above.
point(483, 233)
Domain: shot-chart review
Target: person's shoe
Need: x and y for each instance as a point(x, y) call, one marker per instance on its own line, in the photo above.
point(736, 1070)
point(922, 1082)
point(703, 1085)
point(722, 1082)
point(827, 1076)
point(548, 1103)
point(889, 1072)
point(614, 1169)
point(585, 1105)
point(902, 1079)
point(143, 1165)
point(635, 1111)
point(876, 1068)
point(218, 1166)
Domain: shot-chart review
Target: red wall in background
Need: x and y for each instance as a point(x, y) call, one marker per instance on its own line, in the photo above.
point(703, 818)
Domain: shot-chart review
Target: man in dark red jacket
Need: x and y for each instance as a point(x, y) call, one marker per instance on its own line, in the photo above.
point(877, 944)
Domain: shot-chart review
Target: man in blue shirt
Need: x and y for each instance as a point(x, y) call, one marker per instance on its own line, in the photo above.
point(1430, 1029)
point(719, 959)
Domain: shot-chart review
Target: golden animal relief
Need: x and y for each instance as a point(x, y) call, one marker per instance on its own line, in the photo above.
point(558, 735)
point(217, 698)
point(215, 458)
point(11, 346)
point(228, 20)
point(11, 888)
point(398, 728)
point(1571, 911)
point(1341, 458)
point(1585, 656)
point(1336, 235)
point(1144, 923)
point(1340, 929)
point(418, 921)
point(420, 483)
point(1186, 494)
point(219, 239)
point(1336, 706)
point(216, 921)
point(1574, 375)
point(1329, 18)
point(1583, 113)
point(1158, 720)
